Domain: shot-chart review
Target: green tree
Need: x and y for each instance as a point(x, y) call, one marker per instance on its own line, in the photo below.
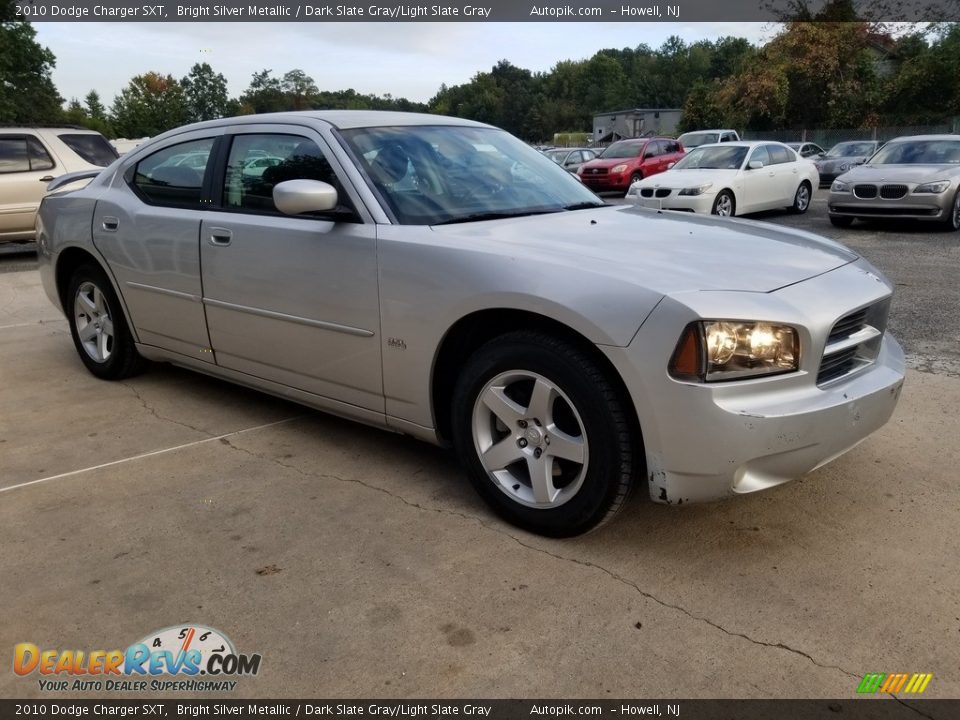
point(205, 92)
point(149, 105)
point(300, 90)
point(263, 95)
point(27, 93)
point(95, 108)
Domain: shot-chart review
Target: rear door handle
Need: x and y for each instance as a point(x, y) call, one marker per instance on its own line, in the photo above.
point(220, 236)
point(110, 224)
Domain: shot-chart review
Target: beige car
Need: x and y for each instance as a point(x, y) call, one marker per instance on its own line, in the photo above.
point(30, 158)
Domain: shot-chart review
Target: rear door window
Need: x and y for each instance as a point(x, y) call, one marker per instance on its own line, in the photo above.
point(23, 153)
point(173, 177)
point(779, 154)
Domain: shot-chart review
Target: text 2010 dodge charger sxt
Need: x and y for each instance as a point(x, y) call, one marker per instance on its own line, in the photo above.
point(439, 277)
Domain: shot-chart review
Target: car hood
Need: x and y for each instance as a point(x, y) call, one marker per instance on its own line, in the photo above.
point(607, 162)
point(687, 178)
point(831, 164)
point(901, 173)
point(662, 251)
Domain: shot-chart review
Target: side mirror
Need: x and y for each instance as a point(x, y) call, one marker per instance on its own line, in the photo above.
point(670, 165)
point(294, 197)
point(755, 164)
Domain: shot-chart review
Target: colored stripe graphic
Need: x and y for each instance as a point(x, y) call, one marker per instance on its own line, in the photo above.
point(914, 683)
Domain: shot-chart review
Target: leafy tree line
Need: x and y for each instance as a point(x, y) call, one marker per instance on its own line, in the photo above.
point(826, 71)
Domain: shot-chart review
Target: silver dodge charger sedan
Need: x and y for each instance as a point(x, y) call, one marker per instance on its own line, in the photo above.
point(440, 278)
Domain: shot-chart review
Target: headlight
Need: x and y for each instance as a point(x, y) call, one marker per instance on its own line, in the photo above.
point(618, 168)
point(717, 350)
point(934, 188)
point(845, 166)
point(839, 187)
point(697, 190)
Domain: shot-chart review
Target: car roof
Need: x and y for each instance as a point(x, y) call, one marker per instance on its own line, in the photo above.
point(341, 119)
point(44, 128)
point(742, 143)
point(711, 130)
point(906, 138)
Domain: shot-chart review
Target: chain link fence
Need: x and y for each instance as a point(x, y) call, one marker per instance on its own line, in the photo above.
point(827, 138)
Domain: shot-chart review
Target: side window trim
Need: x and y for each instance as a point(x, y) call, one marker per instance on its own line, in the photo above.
point(129, 175)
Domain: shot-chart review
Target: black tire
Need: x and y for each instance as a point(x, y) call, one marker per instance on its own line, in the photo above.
point(612, 453)
point(636, 177)
point(717, 203)
point(952, 223)
point(841, 221)
point(799, 207)
point(122, 359)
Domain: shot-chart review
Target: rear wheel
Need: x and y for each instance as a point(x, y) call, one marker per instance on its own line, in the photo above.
point(841, 221)
point(725, 205)
point(98, 327)
point(801, 199)
point(544, 434)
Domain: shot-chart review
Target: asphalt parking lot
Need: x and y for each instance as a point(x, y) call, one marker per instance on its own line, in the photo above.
point(361, 564)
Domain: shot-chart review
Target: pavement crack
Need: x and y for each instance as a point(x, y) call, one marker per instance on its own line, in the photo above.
point(153, 411)
point(583, 563)
point(911, 707)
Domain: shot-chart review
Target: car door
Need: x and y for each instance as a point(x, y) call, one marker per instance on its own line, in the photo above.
point(147, 226)
point(651, 159)
point(292, 299)
point(759, 190)
point(25, 169)
point(786, 172)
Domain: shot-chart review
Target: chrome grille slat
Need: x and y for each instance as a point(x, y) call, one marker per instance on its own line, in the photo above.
point(853, 342)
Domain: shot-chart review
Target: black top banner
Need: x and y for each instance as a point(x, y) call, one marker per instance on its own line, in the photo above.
point(479, 11)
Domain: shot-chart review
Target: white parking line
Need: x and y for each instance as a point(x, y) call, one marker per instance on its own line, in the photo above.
point(30, 324)
point(148, 454)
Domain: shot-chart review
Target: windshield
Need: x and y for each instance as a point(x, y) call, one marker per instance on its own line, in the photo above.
point(714, 157)
point(93, 148)
point(919, 152)
point(852, 149)
point(430, 174)
point(692, 140)
point(622, 149)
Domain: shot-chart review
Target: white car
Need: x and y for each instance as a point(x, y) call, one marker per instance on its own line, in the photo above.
point(734, 178)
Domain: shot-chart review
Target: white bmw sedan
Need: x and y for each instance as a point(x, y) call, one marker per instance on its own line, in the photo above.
point(732, 179)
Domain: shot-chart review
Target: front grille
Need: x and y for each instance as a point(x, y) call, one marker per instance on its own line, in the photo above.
point(836, 366)
point(663, 192)
point(865, 192)
point(596, 171)
point(853, 342)
point(847, 325)
point(893, 192)
point(646, 192)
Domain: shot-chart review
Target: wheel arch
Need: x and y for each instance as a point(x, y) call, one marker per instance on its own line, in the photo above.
point(474, 330)
point(72, 257)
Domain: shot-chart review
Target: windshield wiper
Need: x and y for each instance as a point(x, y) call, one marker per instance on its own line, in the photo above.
point(585, 205)
point(477, 217)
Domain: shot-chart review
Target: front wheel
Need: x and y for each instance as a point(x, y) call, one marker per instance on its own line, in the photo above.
point(801, 199)
point(544, 434)
point(953, 218)
point(98, 327)
point(635, 178)
point(724, 205)
point(841, 221)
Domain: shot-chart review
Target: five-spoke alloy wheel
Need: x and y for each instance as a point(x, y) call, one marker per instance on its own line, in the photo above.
point(545, 433)
point(98, 326)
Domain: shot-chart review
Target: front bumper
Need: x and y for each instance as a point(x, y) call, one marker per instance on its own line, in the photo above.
point(607, 182)
point(915, 207)
point(702, 203)
point(710, 441)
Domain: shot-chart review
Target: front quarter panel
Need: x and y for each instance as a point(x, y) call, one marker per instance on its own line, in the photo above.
point(427, 285)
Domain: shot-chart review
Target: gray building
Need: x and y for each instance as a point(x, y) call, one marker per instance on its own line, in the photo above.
point(635, 122)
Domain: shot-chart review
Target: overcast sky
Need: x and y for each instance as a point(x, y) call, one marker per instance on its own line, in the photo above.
point(404, 59)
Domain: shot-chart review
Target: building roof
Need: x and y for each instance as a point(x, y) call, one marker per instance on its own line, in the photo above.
point(638, 110)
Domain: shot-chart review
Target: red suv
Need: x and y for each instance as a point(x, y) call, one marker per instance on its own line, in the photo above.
point(626, 161)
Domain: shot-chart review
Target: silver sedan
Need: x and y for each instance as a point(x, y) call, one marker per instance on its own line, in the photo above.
point(440, 278)
point(912, 177)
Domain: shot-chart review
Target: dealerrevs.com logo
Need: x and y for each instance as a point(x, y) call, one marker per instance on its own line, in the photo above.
point(186, 657)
